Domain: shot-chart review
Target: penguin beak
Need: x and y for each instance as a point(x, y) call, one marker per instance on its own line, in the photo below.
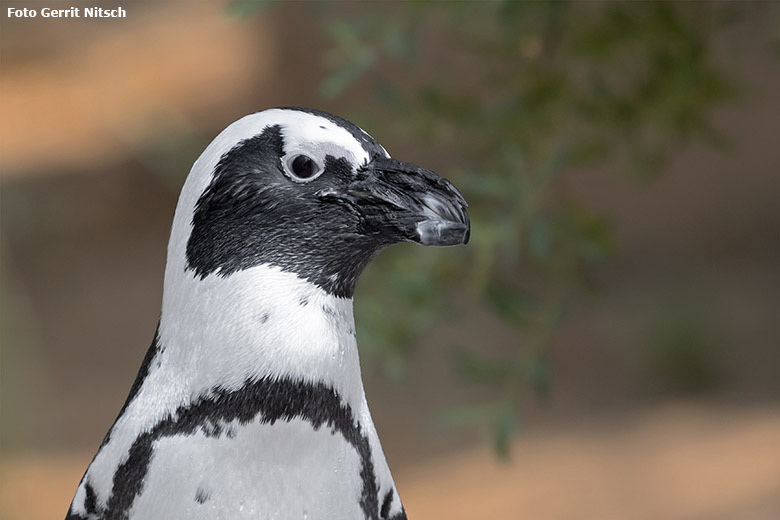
point(399, 201)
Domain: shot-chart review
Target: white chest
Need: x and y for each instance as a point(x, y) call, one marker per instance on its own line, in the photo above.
point(251, 407)
point(287, 470)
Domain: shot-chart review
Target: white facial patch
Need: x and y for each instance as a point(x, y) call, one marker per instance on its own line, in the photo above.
point(312, 135)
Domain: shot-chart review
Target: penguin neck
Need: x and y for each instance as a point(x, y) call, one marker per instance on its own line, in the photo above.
point(262, 322)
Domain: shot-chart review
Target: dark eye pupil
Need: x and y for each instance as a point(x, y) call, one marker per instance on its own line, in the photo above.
point(303, 167)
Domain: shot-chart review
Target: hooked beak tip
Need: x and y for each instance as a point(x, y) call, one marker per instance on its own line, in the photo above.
point(446, 222)
point(443, 233)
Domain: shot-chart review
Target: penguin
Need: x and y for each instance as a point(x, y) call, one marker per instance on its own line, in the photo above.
point(249, 402)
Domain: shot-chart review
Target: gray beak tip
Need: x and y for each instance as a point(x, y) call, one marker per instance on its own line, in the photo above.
point(443, 233)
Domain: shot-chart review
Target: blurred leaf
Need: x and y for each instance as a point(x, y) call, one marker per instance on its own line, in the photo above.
point(539, 237)
point(511, 304)
point(685, 351)
point(244, 8)
point(400, 40)
point(386, 94)
point(477, 369)
point(355, 65)
point(465, 416)
point(506, 424)
point(540, 375)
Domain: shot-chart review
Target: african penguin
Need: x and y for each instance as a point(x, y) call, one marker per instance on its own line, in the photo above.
point(250, 403)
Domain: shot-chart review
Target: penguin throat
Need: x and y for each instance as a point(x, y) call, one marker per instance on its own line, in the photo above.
point(262, 322)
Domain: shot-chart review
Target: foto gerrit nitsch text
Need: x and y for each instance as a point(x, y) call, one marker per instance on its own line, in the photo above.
point(71, 12)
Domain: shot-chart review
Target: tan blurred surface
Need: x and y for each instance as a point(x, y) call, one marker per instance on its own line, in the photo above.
point(675, 462)
point(101, 91)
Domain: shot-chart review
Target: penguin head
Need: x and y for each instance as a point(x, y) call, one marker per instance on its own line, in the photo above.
point(310, 193)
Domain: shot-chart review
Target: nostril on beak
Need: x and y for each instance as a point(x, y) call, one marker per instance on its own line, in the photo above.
point(438, 208)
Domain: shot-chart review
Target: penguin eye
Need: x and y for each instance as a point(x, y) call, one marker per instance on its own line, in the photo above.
point(302, 168)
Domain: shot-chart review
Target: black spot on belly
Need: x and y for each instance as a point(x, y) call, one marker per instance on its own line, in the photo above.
point(266, 399)
point(202, 496)
point(303, 301)
point(211, 429)
point(264, 317)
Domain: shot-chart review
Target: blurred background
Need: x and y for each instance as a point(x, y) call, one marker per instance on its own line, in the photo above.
point(606, 347)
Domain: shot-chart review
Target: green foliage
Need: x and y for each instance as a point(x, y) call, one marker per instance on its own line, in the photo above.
point(685, 353)
point(520, 97)
point(242, 8)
